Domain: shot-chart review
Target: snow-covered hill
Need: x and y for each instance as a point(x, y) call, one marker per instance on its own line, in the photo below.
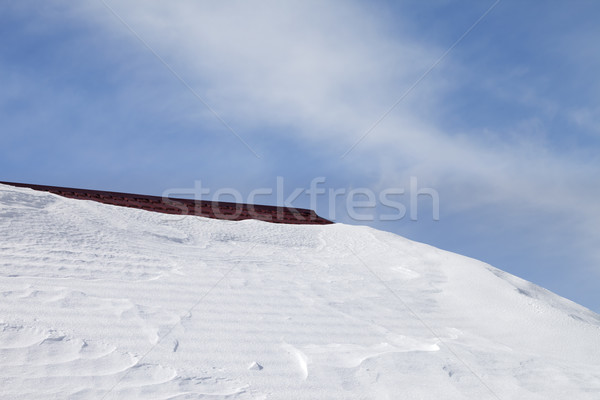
point(102, 302)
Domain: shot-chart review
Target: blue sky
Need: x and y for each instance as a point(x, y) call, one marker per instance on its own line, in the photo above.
point(505, 127)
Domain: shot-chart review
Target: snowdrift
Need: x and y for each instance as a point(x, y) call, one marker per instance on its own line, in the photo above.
point(105, 302)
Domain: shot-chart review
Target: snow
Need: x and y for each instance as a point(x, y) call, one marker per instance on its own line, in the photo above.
point(103, 302)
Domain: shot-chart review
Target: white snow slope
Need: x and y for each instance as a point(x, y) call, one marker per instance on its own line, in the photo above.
point(103, 302)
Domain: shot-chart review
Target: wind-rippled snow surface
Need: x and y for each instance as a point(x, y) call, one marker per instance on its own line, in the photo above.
point(102, 302)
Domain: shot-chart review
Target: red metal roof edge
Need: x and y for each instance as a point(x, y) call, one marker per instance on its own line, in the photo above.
point(169, 205)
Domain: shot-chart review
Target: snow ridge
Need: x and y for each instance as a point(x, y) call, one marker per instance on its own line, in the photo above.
point(98, 301)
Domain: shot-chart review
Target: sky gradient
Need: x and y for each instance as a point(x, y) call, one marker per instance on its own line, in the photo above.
point(500, 115)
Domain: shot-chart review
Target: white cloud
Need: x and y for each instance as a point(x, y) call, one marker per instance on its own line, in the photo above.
point(326, 67)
